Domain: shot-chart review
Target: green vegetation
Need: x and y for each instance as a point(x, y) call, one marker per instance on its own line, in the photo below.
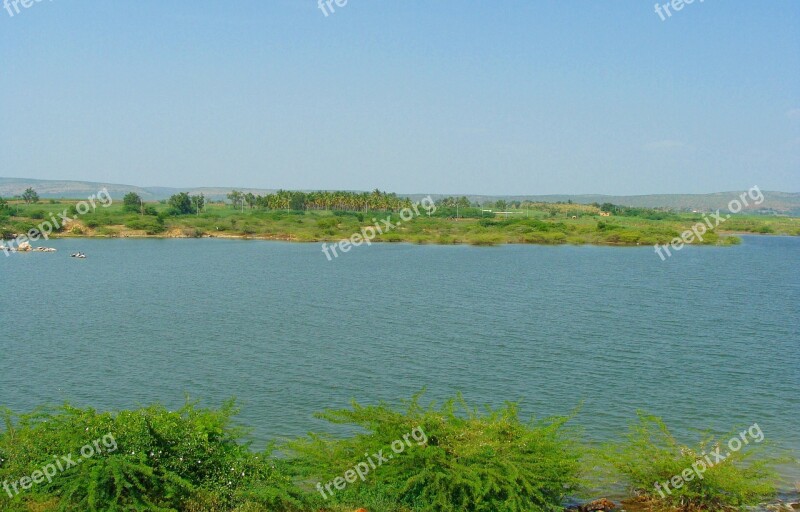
point(471, 462)
point(30, 196)
point(194, 459)
point(651, 454)
point(132, 202)
point(333, 216)
point(189, 459)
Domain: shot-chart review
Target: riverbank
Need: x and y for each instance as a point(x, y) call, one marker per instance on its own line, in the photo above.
point(545, 224)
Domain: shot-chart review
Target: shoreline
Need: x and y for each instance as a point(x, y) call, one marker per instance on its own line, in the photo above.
point(295, 239)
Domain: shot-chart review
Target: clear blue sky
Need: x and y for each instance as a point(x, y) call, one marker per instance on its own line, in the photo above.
point(481, 97)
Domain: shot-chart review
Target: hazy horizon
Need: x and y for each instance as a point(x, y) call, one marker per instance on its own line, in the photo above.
point(398, 192)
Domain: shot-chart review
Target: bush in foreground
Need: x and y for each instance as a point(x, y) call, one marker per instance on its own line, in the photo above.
point(453, 459)
point(413, 458)
point(650, 455)
point(149, 459)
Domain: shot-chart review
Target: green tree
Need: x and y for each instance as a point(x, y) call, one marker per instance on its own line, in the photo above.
point(297, 201)
point(236, 198)
point(250, 199)
point(198, 202)
point(132, 202)
point(30, 196)
point(181, 203)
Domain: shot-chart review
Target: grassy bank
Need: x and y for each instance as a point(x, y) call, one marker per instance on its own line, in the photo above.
point(538, 224)
point(414, 457)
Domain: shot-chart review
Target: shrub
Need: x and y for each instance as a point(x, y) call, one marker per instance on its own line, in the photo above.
point(106, 231)
point(471, 461)
point(158, 460)
point(327, 223)
point(150, 225)
point(605, 226)
point(628, 237)
point(485, 239)
point(651, 454)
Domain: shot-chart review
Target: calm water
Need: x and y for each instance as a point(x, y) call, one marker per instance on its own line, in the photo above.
point(710, 338)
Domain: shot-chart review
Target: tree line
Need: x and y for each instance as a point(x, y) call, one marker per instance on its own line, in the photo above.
point(320, 200)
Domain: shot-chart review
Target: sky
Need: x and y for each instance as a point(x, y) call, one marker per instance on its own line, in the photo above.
point(411, 96)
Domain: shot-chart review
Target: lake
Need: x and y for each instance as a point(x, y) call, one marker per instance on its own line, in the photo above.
point(709, 338)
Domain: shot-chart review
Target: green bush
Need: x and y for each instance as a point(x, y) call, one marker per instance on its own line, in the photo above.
point(107, 231)
point(471, 461)
point(158, 460)
point(453, 458)
point(485, 239)
point(623, 237)
point(606, 226)
point(327, 223)
point(650, 455)
point(150, 225)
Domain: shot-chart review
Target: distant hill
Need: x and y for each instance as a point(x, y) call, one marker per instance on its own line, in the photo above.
point(781, 202)
point(53, 189)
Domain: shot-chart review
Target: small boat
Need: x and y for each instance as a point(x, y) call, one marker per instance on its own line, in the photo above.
point(78, 255)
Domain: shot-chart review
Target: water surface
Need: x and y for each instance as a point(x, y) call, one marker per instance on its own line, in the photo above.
point(708, 339)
